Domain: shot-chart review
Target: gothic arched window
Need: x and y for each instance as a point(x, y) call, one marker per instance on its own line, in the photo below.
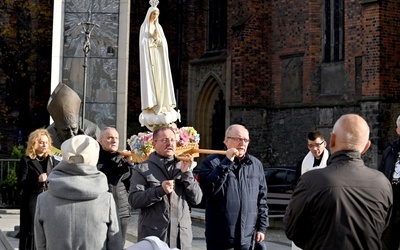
point(216, 25)
point(334, 31)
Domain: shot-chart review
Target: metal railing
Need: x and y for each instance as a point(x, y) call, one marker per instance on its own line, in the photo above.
point(7, 165)
point(9, 194)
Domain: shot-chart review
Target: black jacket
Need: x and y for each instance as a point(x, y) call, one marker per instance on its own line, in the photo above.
point(346, 205)
point(236, 199)
point(28, 174)
point(389, 158)
point(118, 173)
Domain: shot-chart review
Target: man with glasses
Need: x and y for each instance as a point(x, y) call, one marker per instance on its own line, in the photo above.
point(318, 154)
point(236, 195)
point(316, 158)
point(163, 188)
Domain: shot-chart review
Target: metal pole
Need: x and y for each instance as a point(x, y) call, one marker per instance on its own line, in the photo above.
point(88, 27)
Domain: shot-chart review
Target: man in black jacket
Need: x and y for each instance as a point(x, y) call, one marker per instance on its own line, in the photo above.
point(390, 167)
point(236, 195)
point(346, 205)
point(118, 171)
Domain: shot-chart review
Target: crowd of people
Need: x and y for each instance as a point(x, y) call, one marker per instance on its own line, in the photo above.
point(84, 201)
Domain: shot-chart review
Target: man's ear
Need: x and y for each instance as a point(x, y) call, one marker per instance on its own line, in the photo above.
point(366, 147)
point(398, 131)
point(225, 141)
point(332, 142)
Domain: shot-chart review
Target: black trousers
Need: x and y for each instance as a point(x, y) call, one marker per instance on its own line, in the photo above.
point(390, 237)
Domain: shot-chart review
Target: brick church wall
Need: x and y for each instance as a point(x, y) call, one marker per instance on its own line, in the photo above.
point(390, 50)
point(266, 36)
point(249, 50)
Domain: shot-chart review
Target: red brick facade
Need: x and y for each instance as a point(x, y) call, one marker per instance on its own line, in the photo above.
point(264, 35)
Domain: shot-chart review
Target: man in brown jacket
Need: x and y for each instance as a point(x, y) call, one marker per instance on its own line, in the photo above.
point(346, 205)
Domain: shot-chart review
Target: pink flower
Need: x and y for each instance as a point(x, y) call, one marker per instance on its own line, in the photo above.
point(141, 144)
point(184, 137)
point(148, 137)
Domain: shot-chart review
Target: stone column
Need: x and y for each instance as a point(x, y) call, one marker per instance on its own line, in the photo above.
point(107, 60)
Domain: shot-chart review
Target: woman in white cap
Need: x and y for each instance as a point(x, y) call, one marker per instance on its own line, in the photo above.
point(77, 211)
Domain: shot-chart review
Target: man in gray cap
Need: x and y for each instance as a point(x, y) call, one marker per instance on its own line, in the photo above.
point(64, 107)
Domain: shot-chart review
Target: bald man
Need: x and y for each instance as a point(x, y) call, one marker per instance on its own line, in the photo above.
point(345, 205)
point(118, 170)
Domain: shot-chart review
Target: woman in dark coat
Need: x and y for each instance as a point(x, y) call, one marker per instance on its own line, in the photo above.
point(32, 174)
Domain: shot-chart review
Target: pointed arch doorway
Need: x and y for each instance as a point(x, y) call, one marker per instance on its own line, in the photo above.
point(208, 102)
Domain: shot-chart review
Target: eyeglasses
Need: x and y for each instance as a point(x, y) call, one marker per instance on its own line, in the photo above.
point(238, 140)
point(166, 140)
point(317, 145)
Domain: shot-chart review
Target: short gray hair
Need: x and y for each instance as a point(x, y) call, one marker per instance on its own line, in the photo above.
point(231, 127)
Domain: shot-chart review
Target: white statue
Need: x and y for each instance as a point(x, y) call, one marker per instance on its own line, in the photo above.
point(156, 85)
point(157, 90)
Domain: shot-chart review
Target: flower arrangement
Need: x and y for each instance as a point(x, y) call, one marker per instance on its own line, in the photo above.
point(142, 143)
point(186, 135)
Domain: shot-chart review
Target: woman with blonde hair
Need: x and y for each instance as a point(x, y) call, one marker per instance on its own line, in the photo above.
point(32, 174)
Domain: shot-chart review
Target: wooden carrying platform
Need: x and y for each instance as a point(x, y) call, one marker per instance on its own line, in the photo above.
point(185, 153)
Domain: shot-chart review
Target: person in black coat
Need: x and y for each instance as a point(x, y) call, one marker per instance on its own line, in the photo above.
point(390, 167)
point(118, 170)
point(32, 174)
point(345, 205)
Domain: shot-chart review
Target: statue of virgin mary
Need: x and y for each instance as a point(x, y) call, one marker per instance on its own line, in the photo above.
point(156, 85)
point(157, 89)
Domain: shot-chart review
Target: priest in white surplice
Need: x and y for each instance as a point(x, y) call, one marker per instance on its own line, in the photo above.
point(316, 157)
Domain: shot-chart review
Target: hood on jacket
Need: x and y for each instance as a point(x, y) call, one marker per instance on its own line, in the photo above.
point(76, 182)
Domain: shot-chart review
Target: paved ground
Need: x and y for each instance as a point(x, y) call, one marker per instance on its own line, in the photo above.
point(276, 239)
